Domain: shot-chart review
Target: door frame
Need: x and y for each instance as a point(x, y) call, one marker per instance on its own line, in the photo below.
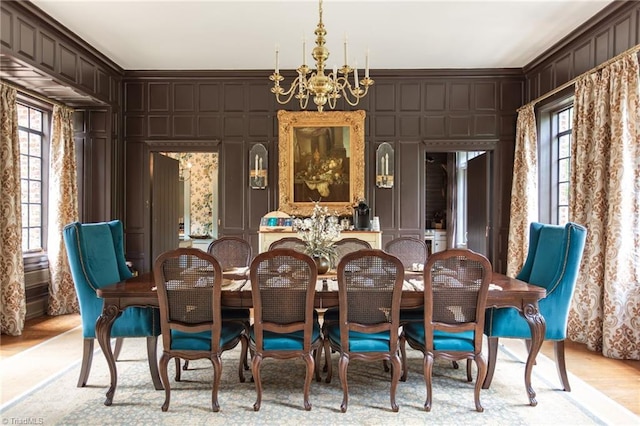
point(491, 147)
point(175, 145)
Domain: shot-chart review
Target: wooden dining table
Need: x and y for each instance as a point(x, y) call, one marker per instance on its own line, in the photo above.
point(140, 291)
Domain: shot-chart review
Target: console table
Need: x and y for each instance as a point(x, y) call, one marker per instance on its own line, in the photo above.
point(266, 238)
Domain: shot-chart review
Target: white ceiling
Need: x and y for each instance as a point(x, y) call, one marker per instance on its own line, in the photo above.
point(214, 34)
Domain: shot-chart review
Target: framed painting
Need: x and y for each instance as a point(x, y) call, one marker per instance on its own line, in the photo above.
point(321, 158)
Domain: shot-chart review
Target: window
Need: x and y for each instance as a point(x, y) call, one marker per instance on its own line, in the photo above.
point(563, 124)
point(32, 132)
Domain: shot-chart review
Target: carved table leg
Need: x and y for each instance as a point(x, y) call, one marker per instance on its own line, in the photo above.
point(538, 327)
point(103, 332)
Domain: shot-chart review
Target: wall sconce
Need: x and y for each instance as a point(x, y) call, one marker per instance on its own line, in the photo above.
point(384, 165)
point(258, 166)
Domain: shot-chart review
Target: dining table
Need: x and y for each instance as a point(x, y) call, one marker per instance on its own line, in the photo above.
point(140, 291)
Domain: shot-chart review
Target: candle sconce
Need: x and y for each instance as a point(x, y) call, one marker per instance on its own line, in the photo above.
point(384, 166)
point(258, 166)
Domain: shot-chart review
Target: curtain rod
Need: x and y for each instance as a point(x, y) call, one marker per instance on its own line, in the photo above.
point(32, 94)
point(634, 49)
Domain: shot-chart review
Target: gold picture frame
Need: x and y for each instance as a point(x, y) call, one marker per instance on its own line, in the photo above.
point(321, 158)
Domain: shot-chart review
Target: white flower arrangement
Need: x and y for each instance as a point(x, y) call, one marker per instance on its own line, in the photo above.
point(319, 232)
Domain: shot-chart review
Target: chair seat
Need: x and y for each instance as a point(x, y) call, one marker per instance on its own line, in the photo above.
point(183, 341)
point(442, 340)
point(360, 342)
point(286, 341)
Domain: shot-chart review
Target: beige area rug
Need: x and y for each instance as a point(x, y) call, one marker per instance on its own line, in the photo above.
point(28, 398)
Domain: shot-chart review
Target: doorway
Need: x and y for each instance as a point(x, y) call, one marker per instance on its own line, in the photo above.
point(458, 198)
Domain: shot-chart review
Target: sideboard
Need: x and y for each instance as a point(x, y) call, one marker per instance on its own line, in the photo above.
point(372, 237)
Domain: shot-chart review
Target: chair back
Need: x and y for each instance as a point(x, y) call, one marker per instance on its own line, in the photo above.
point(96, 259)
point(283, 284)
point(290, 243)
point(231, 252)
point(456, 283)
point(553, 262)
point(408, 249)
point(349, 245)
point(370, 288)
point(189, 285)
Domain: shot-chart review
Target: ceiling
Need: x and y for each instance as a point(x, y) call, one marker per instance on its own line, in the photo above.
point(224, 35)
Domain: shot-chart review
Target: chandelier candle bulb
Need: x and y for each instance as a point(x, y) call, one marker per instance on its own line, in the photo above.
point(335, 71)
point(366, 68)
point(304, 50)
point(345, 49)
point(386, 164)
point(355, 74)
point(255, 167)
point(277, 67)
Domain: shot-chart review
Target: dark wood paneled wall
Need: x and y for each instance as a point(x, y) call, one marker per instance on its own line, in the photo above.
point(37, 53)
point(412, 110)
point(611, 32)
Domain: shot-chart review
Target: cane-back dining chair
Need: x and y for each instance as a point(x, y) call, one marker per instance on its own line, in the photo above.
point(189, 285)
point(349, 245)
point(96, 259)
point(409, 250)
point(553, 262)
point(289, 242)
point(232, 253)
point(283, 284)
point(456, 283)
point(343, 247)
point(369, 291)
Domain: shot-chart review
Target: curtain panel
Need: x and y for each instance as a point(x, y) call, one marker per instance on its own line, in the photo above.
point(605, 178)
point(13, 307)
point(524, 189)
point(63, 209)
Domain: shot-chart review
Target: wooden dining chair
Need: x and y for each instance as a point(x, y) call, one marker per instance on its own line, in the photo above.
point(369, 292)
point(189, 285)
point(294, 243)
point(283, 285)
point(343, 247)
point(409, 250)
point(231, 252)
point(456, 283)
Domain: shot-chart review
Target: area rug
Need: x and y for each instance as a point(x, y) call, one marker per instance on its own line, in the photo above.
point(59, 401)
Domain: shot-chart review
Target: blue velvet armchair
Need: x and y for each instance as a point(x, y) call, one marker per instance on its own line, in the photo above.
point(553, 262)
point(96, 259)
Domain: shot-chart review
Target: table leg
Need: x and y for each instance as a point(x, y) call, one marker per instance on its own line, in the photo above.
point(103, 332)
point(538, 327)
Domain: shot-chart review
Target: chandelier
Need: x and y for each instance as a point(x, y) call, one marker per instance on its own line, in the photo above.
point(325, 89)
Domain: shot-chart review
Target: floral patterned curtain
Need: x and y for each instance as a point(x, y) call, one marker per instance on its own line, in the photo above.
point(13, 307)
point(605, 177)
point(63, 209)
point(524, 189)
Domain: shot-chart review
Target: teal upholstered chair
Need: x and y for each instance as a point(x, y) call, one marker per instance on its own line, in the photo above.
point(553, 262)
point(456, 283)
point(369, 292)
point(283, 285)
point(96, 258)
point(189, 283)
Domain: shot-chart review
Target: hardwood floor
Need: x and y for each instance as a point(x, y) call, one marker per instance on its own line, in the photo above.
point(618, 379)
